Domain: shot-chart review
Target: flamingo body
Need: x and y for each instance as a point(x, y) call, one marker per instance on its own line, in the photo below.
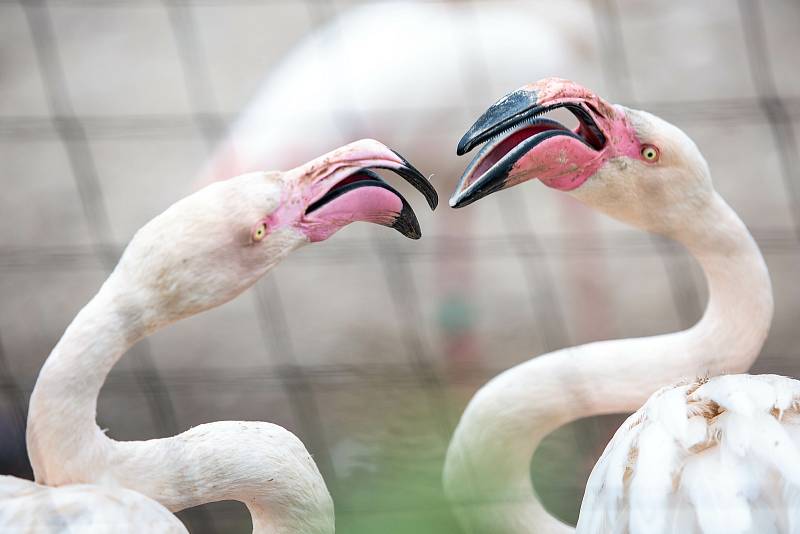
point(714, 456)
point(30, 508)
point(705, 457)
point(201, 252)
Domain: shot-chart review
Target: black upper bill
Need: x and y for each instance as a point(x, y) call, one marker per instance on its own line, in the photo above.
point(516, 107)
point(501, 115)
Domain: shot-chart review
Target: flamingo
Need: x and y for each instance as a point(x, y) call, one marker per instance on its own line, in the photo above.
point(706, 455)
point(338, 82)
point(200, 253)
point(343, 79)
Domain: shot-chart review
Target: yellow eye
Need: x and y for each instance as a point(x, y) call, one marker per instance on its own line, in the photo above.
point(650, 153)
point(260, 232)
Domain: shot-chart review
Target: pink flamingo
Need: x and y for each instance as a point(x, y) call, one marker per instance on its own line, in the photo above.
point(200, 253)
point(711, 455)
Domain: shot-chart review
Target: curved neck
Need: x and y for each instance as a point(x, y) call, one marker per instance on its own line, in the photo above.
point(62, 436)
point(490, 453)
point(260, 464)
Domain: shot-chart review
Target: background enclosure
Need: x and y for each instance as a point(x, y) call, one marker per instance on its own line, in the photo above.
point(368, 346)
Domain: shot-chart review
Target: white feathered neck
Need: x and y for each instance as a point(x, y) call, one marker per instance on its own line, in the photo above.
point(157, 282)
point(260, 464)
point(490, 453)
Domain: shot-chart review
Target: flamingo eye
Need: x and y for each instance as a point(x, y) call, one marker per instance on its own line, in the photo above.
point(650, 153)
point(259, 232)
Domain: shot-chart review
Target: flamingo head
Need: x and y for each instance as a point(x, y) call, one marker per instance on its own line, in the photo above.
point(210, 246)
point(627, 163)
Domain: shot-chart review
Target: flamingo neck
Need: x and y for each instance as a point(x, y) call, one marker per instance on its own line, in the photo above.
point(260, 464)
point(64, 442)
point(489, 457)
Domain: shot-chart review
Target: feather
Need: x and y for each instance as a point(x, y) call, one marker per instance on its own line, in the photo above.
point(712, 457)
point(29, 508)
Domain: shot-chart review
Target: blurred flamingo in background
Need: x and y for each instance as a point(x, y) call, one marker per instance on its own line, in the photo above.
point(409, 60)
point(707, 456)
point(200, 253)
point(403, 72)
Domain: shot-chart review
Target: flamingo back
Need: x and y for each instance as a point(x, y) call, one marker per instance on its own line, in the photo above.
point(28, 508)
point(718, 455)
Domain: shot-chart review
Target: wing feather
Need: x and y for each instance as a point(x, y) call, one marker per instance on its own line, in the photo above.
point(719, 455)
point(83, 508)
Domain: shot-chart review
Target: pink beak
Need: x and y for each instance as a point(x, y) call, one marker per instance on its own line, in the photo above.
point(521, 145)
point(341, 187)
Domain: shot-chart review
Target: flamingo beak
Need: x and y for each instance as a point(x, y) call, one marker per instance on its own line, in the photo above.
point(521, 144)
point(342, 187)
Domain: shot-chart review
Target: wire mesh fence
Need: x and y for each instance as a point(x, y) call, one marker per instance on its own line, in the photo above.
point(368, 347)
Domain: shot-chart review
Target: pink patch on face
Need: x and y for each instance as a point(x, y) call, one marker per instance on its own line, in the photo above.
point(621, 136)
point(560, 162)
point(368, 204)
point(565, 163)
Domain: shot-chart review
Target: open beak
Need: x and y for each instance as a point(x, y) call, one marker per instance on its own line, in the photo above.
point(521, 144)
point(341, 187)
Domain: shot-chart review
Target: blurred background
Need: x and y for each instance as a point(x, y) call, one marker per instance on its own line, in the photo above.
point(368, 346)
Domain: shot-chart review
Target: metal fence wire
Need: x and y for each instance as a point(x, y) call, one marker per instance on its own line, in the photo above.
point(367, 346)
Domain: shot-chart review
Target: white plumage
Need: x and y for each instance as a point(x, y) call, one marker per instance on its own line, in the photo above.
point(717, 456)
point(712, 456)
point(30, 508)
point(200, 253)
point(192, 257)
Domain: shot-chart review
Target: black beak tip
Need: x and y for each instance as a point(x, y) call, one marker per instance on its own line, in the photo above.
point(418, 180)
point(464, 145)
point(492, 182)
point(462, 201)
point(407, 224)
